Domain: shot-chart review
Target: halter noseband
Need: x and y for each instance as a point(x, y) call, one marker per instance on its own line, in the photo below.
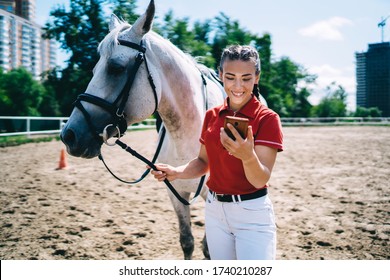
point(116, 109)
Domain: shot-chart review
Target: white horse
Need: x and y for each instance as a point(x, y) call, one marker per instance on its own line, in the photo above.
point(121, 93)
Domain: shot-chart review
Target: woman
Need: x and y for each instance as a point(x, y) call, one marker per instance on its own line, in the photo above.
point(240, 221)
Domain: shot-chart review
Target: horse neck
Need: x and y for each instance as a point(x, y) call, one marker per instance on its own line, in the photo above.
point(181, 103)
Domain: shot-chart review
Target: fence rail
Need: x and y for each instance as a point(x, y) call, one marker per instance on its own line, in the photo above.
point(335, 121)
point(12, 126)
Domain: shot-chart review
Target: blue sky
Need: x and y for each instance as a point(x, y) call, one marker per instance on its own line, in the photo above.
point(322, 36)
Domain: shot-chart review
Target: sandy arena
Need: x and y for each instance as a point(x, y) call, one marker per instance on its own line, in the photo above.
point(330, 189)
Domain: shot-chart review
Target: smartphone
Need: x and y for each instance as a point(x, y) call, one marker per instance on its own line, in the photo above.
point(240, 124)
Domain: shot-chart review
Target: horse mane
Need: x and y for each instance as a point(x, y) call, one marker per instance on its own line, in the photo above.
point(186, 56)
point(107, 45)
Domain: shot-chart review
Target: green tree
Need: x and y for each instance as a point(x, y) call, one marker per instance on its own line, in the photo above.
point(125, 9)
point(279, 79)
point(81, 29)
point(50, 105)
point(201, 49)
point(79, 32)
point(367, 112)
point(4, 100)
point(177, 31)
point(192, 41)
point(263, 46)
point(227, 33)
point(20, 94)
point(334, 104)
point(283, 93)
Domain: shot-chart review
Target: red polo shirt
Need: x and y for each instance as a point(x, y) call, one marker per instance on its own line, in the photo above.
point(226, 171)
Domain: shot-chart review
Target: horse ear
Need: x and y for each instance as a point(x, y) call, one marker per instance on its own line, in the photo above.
point(114, 22)
point(144, 23)
point(150, 11)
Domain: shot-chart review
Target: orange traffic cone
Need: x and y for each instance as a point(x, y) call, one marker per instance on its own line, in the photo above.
point(62, 164)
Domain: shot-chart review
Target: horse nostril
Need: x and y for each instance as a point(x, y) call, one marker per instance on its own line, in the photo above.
point(68, 137)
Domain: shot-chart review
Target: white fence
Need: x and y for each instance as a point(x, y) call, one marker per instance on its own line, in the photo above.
point(334, 121)
point(29, 125)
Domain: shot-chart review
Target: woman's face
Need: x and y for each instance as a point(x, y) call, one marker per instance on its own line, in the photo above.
point(238, 78)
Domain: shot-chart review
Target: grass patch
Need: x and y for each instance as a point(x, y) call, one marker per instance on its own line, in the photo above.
point(9, 141)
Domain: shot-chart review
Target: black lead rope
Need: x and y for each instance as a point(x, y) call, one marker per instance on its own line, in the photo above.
point(163, 131)
point(151, 164)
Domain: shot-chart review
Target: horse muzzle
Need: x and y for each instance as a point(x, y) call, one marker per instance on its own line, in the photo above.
point(81, 145)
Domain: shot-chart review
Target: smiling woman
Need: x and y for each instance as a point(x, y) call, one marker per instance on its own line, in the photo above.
point(240, 223)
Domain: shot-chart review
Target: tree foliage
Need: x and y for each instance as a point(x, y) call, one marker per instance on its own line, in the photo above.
point(79, 32)
point(79, 29)
point(20, 94)
point(228, 32)
point(334, 104)
point(124, 9)
point(373, 112)
point(279, 79)
point(285, 96)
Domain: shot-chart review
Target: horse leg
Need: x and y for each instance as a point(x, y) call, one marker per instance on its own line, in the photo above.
point(183, 215)
point(205, 248)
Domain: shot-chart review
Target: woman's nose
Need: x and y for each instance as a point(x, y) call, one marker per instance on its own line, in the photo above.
point(237, 84)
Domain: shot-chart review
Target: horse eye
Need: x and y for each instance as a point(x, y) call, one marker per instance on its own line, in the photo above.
point(115, 68)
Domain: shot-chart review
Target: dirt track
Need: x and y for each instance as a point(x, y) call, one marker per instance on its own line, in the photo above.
point(330, 189)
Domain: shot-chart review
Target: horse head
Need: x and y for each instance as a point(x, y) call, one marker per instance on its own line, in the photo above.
point(120, 92)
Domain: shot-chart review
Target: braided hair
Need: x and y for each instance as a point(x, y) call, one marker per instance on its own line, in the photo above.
point(244, 53)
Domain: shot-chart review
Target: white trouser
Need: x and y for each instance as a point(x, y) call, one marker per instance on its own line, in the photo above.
point(240, 230)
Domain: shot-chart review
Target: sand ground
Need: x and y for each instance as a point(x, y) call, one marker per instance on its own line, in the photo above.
point(330, 189)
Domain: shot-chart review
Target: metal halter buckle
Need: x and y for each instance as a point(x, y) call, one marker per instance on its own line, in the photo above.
point(105, 135)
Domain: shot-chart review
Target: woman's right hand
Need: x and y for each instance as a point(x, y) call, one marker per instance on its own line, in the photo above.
point(164, 171)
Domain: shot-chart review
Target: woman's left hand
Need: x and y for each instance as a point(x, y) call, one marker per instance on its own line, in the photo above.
point(240, 148)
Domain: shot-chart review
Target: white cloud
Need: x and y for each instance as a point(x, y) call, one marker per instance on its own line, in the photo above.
point(328, 74)
point(326, 29)
point(325, 69)
point(341, 76)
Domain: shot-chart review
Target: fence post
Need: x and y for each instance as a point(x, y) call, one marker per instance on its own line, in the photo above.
point(28, 127)
point(60, 125)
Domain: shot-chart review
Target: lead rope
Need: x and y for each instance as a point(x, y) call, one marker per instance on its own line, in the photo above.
point(156, 154)
point(151, 165)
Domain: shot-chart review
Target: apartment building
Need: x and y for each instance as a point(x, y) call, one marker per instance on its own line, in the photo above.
point(373, 77)
point(21, 43)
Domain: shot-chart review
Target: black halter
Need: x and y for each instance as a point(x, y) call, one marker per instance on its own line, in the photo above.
point(116, 109)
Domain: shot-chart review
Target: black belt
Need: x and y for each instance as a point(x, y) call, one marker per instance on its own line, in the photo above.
point(237, 197)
